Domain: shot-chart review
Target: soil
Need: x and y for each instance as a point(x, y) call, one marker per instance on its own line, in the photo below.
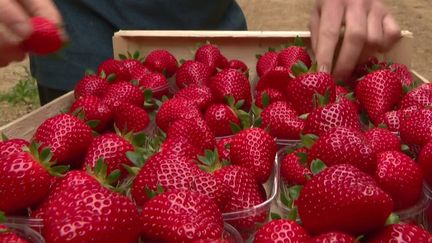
point(413, 15)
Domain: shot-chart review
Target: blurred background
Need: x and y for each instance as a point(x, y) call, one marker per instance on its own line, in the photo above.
point(18, 94)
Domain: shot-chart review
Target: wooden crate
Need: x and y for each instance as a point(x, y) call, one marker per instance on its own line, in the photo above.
point(242, 45)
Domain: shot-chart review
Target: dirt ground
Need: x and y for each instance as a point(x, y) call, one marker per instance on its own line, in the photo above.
point(413, 15)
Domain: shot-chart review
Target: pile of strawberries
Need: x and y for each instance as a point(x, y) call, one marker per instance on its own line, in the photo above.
point(164, 151)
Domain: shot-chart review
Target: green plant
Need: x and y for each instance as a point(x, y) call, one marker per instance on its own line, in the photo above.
point(24, 92)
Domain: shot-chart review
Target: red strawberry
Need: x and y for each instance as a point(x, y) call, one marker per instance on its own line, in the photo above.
point(8, 235)
point(281, 230)
point(403, 73)
point(416, 128)
point(201, 95)
point(330, 116)
point(223, 148)
point(400, 177)
point(407, 233)
point(332, 237)
point(91, 85)
point(230, 82)
point(131, 118)
point(275, 78)
point(192, 72)
point(273, 94)
point(67, 137)
point(45, 38)
point(420, 97)
point(94, 110)
point(379, 92)
point(195, 130)
point(112, 149)
point(246, 193)
point(25, 179)
point(12, 146)
point(80, 209)
point(152, 81)
point(293, 170)
point(392, 119)
point(123, 92)
point(161, 61)
point(339, 194)
point(282, 120)
point(266, 62)
point(291, 55)
point(238, 65)
point(219, 118)
point(383, 140)
point(181, 216)
point(425, 162)
point(112, 67)
point(210, 55)
point(138, 71)
point(255, 149)
point(131, 64)
point(180, 147)
point(175, 109)
point(344, 146)
point(302, 90)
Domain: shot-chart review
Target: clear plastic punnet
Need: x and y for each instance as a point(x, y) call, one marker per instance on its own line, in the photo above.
point(24, 230)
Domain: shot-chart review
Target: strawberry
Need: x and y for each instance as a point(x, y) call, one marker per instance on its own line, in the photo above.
point(420, 97)
point(223, 148)
point(245, 193)
point(344, 146)
point(291, 55)
point(94, 110)
point(195, 131)
point(230, 82)
point(416, 128)
point(115, 69)
point(337, 195)
point(301, 91)
point(12, 146)
point(112, 149)
point(219, 118)
point(282, 121)
point(266, 62)
point(45, 37)
point(192, 72)
point(25, 178)
point(333, 237)
point(131, 118)
point(392, 119)
point(281, 230)
point(210, 55)
point(66, 136)
point(400, 177)
point(200, 95)
point(425, 162)
point(238, 65)
point(175, 109)
point(161, 61)
point(181, 216)
point(275, 78)
point(383, 140)
point(273, 96)
point(152, 81)
point(180, 147)
point(255, 149)
point(123, 92)
point(293, 168)
point(379, 92)
point(91, 85)
point(131, 64)
point(8, 235)
point(363, 69)
point(403, 72)
point(407, 233)
point(332, 115)
point(138, 71)
point(80, 209)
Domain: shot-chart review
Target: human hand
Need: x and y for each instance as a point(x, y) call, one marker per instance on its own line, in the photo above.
point(15, 25)
point(368, 25)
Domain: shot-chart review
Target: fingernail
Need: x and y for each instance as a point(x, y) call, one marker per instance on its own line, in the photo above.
point(22, 29)
point(323, 68)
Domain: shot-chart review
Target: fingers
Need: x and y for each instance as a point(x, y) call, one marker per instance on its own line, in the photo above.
point(42, 8)
point(9, 52)
point(314, 27)
point(356, 34)
point(328, 34)
point(15, 18)
point(375, 36)
point(392, 32)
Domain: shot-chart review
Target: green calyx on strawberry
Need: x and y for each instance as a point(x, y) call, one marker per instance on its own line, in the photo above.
point(211, 162)
point(100, 173)
point(288, 196)
point(244, 117)
point(45, 159)
point(132, 56)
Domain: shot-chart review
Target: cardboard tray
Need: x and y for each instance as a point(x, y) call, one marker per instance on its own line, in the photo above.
point(243, 45)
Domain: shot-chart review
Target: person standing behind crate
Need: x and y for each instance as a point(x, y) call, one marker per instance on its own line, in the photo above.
point(91, 24)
